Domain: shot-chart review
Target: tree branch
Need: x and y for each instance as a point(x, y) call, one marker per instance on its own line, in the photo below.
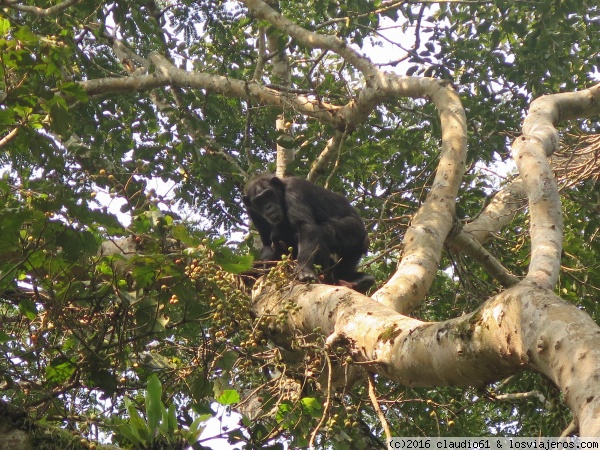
point(377, 408)
point(262, 10)
point(498, 213)
point(530, 151)
point(523, 327)
point(465, 243)
point(330, 151)
point(9, 137)
point(36, 10)
point(167, 74)
point(424, 239)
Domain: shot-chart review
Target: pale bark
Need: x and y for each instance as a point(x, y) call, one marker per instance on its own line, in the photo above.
point(530, 152)
point(523, 327)
point(329, 153)
point(466, 244)
point(500, 211)
point(285, 155)
point(12, 134)
point(281, 76)
point(424, 239)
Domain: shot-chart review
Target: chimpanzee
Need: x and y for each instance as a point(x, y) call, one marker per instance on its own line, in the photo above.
point(320, 226)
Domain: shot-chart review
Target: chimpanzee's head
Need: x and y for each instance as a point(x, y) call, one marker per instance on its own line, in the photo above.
point(265, 196)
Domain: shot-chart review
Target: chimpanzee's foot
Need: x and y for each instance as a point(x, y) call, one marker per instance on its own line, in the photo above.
point(362, 282)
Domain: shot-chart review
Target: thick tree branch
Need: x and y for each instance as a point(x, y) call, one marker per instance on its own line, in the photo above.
point(523, 327)
point(530, 152)
point(167, 74)
point(327, 155)
point(424, 239)
point(498, 213)
point(11, 135)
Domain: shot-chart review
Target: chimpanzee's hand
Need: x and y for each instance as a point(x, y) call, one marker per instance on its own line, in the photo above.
point(306, 275)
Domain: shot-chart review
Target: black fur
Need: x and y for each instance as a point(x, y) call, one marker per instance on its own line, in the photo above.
point(320, 226)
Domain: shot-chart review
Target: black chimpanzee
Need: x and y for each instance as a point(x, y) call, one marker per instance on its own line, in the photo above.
point(320, 226)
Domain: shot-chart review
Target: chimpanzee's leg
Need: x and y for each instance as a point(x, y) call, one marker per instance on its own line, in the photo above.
point(313, 249)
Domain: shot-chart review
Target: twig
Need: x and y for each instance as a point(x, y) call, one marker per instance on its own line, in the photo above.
point(380, 415)
point(313, 436)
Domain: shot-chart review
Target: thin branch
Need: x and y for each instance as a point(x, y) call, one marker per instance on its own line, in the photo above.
point(380, 415)
point(329, 152)
point(313, 436)
point(498, 212)
point(262, 50)
point(9, 137)
point(465, 243)
point(262, 10)
point(521, 396)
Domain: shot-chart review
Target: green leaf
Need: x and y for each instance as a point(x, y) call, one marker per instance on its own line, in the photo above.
point(284, 409)
point(75, 90)
point(125, 430)
point(28, 309)
point(60, 370)
point(230, 261)
point(200, 387)
point(141, 224)
point(153, 402)
point(227, 360)
point(11, 221)
point(196, 428)
point(137, 425)
point(76, 244)
point(98, 218)
point(104, 380)
point(235, 265)
point(182, 233)
point(60, 118)
point(24, 34)
point(311, 406)
point(4, 26)
point(143, 275)
point(170, 419)
point(228, 397)
point(7, 117)
point(147, 315)
point(163, 427)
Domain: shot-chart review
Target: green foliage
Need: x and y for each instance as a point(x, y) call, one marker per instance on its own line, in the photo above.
point(121, 261)
point(160, 429)
point(228, 397)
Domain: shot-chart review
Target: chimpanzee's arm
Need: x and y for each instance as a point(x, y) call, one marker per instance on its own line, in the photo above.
point(300, 199)
point(264, 229)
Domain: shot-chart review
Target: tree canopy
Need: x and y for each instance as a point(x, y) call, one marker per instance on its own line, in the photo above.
point(464, 132)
